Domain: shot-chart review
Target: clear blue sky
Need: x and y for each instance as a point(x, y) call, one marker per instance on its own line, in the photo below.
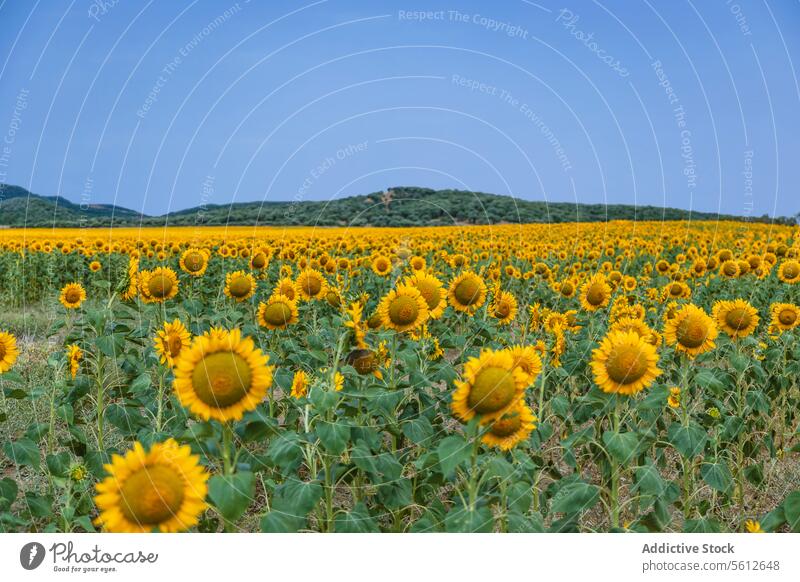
point(160, 106)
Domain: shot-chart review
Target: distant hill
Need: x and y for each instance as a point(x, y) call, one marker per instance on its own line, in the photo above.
point(400, 206)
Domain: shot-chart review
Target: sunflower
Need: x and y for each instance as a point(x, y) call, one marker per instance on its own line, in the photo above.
point(527, 359)
point(240, 286)
point(163, 489)
point(595, 293)
point(467, 292)
point(753, 526)
point(691, 331)
point(158, 285)
point(432, 291)
point(512, 428)
point(785, 316)
point(278, 312)
point(417, 263)
point(636, 325)
point(299, 384)
point(222, 376)
point(95, 266)
point(674, 398)
point(624, 363)
point(170, 341)
point(355, 313)
point(491, 386)
point(74, 357)
point(730, 269)
point(259, 261)
point(503, 307)
point(286, 288)
point(737, 318)
point(194, 262)
point(311, 284)
point(381, 265)
point(789, 271)
point(132, 283)
point(8, 351)
point(403, 309)
point(72, 295)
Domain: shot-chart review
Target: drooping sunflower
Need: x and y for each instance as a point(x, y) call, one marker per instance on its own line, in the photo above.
point(789, 271)
point(239, 286)
point(730, 269)
point(163, 489)
point(74, 357)
point(691, 331)
point(72, 295)
point(194, 262)
point(222, 376)
point(737, 318)
point(490, 387)
point(595, 293)
point(8, 351)
point(300, 384)
point(624, 363)
point(527, 359)
point(403, 308)
point(785, 316)
point(311, 284)
point(278, 312)
point(170, 341)
point(512, 428)
point(158, 285)
point(432, 291)
point(355, 314)
point(674, 398)
point(503, 307)
point(259, 261)
point(467, 292)
point(286, 288)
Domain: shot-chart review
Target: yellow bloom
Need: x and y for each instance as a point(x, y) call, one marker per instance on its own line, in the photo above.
point(163, 490)
point(785, 316)
point(299, 384)
point(624, 363)
point(239, 286)
point(512, 428)
point(691, 331)
point(503, 307)
point(278, 312)
point(737, 318)
point(753, 526)
point(467, 292)
point(595, 293)
point(194, 262)
point(170, 341)
point(158, 285)
point(8, 351)
point(403, 309)
point(311, 284)
point(431, 290)
point(74, 357)
point(72, 295)
point(674, 398)
point(491, 386)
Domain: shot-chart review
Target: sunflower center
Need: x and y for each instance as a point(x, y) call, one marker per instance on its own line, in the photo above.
point(194, 262)
point(152, 495)
point(502, 309)
point(382, 265)
point(596, 294)
point(260, 261)
point(312, 286)
point(567, 289)
point(278, 314)
point(691, 332)
point(403, 310)
point(175, 345)
point(221, 379)
point(468, 291)
point(627, 364)
point(738, 318)
point(2, 351)
point(160, 286)
point(786, 317)
point(507, 425)
point(492, 390)
point(72, 295)
point(240, 287)
point(675, 290)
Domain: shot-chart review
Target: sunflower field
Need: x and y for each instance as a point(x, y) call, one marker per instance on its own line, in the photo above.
point(621, 376)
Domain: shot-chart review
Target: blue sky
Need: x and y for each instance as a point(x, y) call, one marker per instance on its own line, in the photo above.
point(160, 106)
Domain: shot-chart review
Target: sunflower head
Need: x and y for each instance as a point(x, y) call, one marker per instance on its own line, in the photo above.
point(527, 359)
point(490, 387)
point(162, 489)
point(222, 376)
point(72, 295)
point(595, 293)
point(8, 351)
point(194, 262)
point(512, 428)
point(504, 307)
point(691, 331)
point(300, 384)
point(311, 284)
point(789, 271)
point(431, 290)
point(159, 285)
point(170, 341)
point(467, 292)
point(279, 312)
point(403, 309)
point(785, 316)
point(624, 363)
point(240, 286)
point(737, 318)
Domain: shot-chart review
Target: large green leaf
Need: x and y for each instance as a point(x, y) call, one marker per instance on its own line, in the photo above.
point(575, 498)
point(232, 494)
point(687, 440)
point(23, 452)
point(717, 475)
point(452, 451)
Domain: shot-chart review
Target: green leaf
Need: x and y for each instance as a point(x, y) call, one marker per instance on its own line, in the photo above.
point(452, 451)
point(58, 464)
point(701, 526)
point(575, 498)
point(127, 420)
point(232, 494)
point(8, 493)
point(23, 452)
point(649, 480)
point(333, 436)
point(461, 519)
point(710, 380)
point(717, 475)
point(419, 431)
point(285, 451)
point(621, 446)
point(356, 521)
point(791, 509)
point(278, 522)
point(298, 497)
point(687, 440)
point(39, 505)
